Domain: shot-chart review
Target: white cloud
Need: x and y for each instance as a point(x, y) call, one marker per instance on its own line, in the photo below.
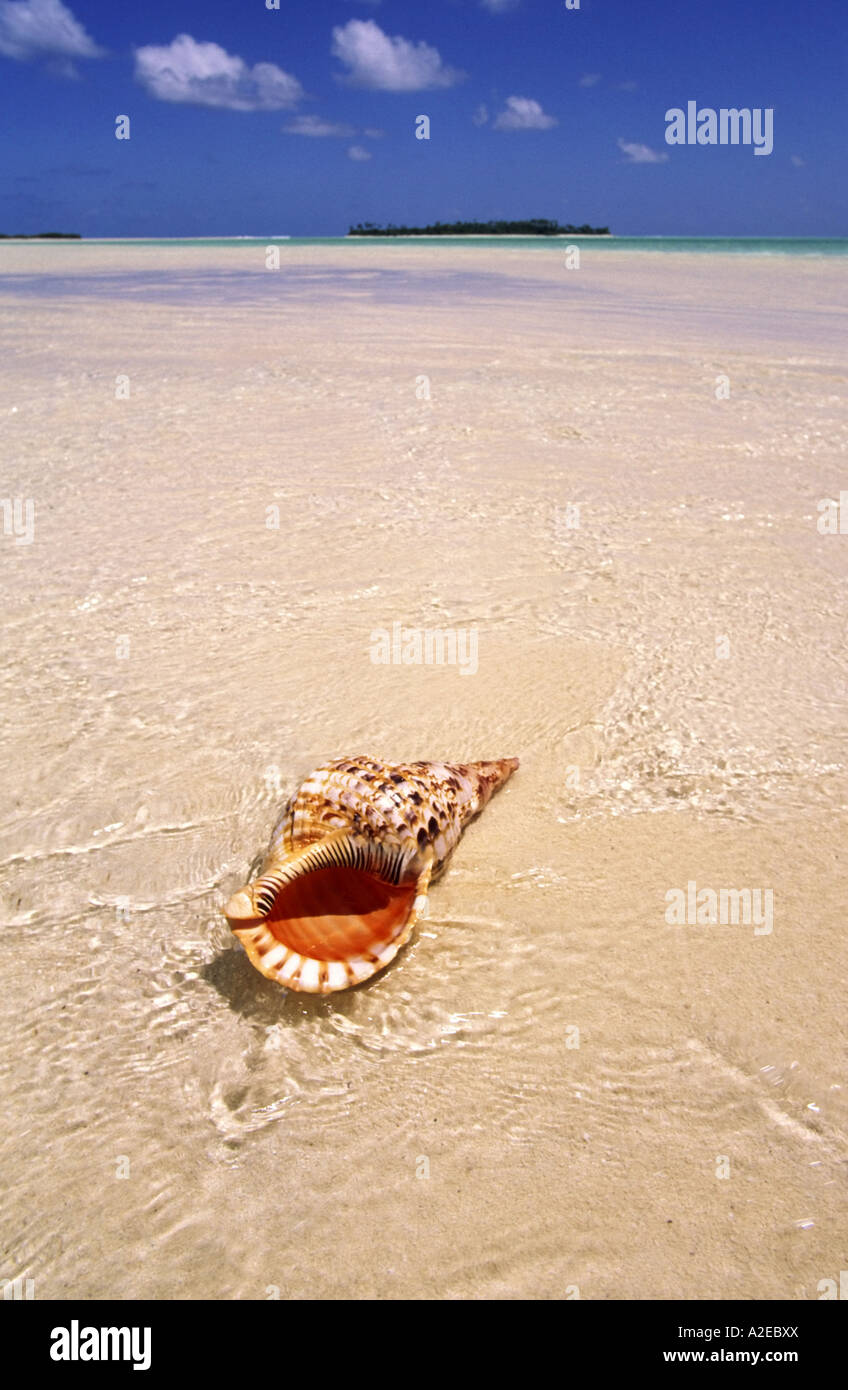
point(314, 125)
point(32, 28)
point(358, 152)
point(797, 161)
point(589, 79)
point(389, 65)
point(499, 6)
point(204, 74)
point(641, 154)
point(373, 132)
point(523, 113)
point(481, 115)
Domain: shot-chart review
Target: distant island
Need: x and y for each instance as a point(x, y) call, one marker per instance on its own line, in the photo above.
point(536, 226)
point(40, 236)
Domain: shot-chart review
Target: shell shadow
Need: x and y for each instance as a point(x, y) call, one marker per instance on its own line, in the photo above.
point(265, 1003)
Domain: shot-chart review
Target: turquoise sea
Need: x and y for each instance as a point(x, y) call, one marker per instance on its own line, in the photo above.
point(784, 246)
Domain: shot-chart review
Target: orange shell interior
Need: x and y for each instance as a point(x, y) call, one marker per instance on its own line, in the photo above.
point(337, 913)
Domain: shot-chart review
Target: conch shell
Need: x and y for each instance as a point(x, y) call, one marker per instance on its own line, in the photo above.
point(349, 864)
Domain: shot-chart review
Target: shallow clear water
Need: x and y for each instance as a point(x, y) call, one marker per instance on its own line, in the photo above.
point(535, 1095)
point(788, 246)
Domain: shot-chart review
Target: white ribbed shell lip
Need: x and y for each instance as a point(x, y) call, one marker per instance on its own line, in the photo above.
point(319, 954)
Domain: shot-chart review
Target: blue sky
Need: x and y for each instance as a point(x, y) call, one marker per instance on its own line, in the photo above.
point(301, 120)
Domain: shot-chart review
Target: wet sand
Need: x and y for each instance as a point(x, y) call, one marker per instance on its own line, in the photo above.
point(554, 1088)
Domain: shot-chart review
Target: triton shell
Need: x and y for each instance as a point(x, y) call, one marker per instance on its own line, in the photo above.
point(349, 864)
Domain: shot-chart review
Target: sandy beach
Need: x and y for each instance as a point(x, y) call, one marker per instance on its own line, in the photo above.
point(614, 476)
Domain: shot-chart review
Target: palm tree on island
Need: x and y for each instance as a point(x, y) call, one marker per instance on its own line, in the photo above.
point(40, 236)
point(536, 226)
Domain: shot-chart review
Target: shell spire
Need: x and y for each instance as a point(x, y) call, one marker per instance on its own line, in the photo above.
point(490, 777)
point(349, 865)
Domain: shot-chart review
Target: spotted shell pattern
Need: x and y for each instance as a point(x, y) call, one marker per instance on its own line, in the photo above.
point(349, 864)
